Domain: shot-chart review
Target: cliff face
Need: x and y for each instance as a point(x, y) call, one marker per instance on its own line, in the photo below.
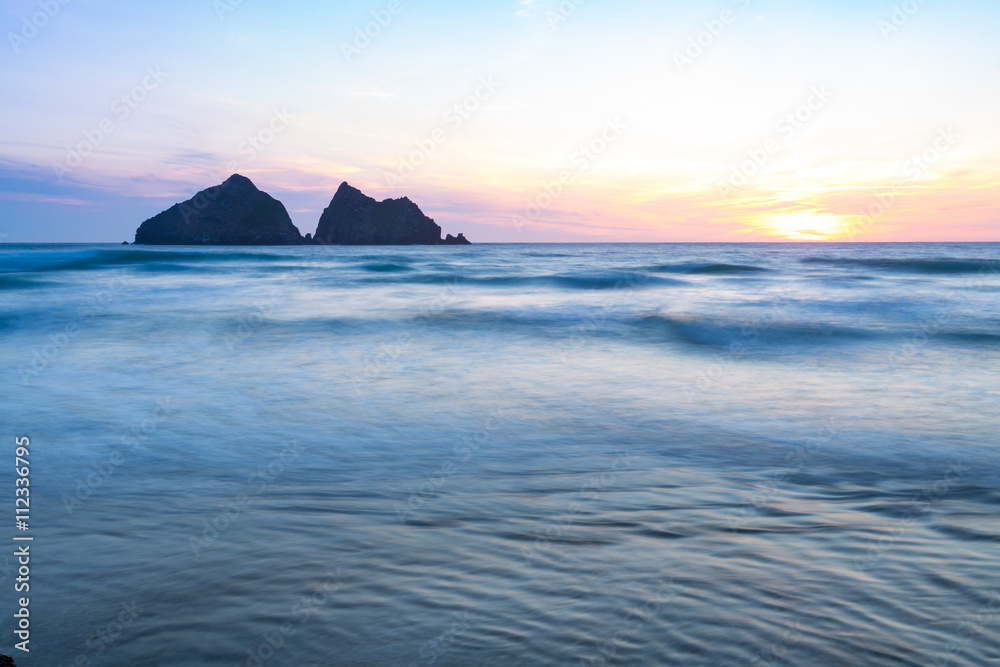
point(233, 213)
point(353, 218)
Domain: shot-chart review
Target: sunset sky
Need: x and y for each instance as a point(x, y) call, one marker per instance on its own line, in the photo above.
point(512, 120)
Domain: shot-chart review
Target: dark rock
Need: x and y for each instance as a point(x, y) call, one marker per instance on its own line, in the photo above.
point(352, 218)
point(124, 242)
point(456, 240)
point(309, 238)
point(234, 213)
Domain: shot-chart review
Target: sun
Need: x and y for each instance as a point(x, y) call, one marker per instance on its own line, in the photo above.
point(806, 226)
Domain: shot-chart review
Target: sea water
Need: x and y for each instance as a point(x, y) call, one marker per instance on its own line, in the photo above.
point(648, 454)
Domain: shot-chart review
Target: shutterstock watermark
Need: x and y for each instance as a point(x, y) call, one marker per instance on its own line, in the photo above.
point(581, 160)
point(32, 25)
point(785, 129)
point(121, 108)
point(454, 118)
point(363, 35)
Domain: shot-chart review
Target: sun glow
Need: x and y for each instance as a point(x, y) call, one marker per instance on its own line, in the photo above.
point(812, 226)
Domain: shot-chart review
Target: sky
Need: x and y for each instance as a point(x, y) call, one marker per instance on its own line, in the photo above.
point(511, 120)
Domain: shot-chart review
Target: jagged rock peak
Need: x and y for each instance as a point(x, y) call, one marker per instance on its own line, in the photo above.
point(234, 212)
point(354, 218)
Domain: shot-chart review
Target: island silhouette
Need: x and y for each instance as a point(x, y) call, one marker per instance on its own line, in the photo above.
point(236, 212)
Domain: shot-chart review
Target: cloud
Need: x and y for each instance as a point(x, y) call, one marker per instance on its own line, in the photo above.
point(44, 199)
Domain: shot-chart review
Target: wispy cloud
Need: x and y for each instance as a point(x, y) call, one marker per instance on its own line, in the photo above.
point(44, 199)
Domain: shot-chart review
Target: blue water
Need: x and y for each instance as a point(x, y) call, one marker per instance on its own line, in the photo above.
point(639, 454)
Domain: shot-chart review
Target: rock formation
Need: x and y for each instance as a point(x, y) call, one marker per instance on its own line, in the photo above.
point(233, 213)
point(237, 213)
point(352, 218)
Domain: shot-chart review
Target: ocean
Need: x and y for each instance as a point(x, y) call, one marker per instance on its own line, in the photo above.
point(505, 454)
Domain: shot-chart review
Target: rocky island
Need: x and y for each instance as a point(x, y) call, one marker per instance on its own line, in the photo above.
point(233, 213)
point(237, 213)
point(353, 218)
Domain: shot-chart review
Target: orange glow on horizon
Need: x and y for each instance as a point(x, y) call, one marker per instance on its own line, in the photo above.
point(807, 226)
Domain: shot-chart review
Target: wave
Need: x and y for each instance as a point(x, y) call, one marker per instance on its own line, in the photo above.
point(723, 333)
point(739, 336)
point(719, 332)
point(567, 326)
point(12, 282)
point(931, 266)
point(396, 259)
point(705, 268)
point(701, 331)
point(544, 324)
point(610, 280)
point(386, 267)
point(100, 259)
point(977, 337)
